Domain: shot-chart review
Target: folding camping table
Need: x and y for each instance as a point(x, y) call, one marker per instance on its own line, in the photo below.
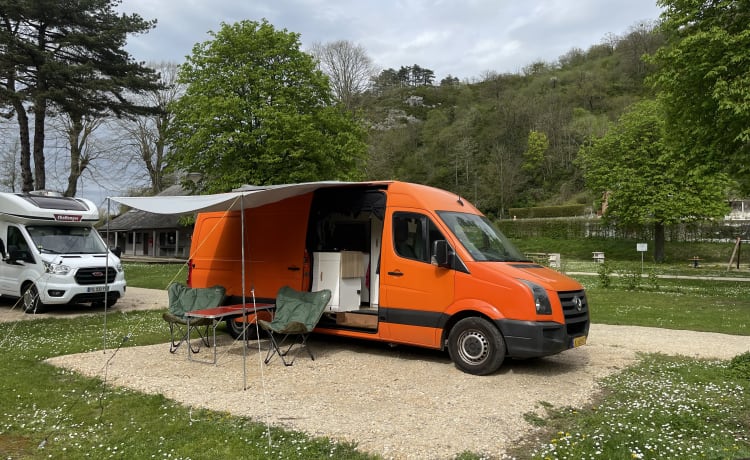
point(218, 314)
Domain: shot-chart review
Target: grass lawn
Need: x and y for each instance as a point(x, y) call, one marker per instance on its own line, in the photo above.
point(664, 407)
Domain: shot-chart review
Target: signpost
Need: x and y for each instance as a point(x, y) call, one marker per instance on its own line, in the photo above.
point(641, 247)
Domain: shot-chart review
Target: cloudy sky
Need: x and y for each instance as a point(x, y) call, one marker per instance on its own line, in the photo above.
point(463, 38)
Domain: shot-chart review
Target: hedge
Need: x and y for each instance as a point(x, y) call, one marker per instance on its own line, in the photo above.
point(582, 227)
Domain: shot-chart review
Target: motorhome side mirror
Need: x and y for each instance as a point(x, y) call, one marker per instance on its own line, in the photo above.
point(116, 250)
point(441, 254)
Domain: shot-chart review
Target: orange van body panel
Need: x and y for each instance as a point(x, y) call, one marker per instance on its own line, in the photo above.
point(503, 296)
point(275, 248)
point(412, 285)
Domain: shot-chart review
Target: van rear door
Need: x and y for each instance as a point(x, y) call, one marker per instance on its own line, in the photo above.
point(414, 293)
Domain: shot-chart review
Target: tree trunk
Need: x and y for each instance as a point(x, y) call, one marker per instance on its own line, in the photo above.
point(40, 115)
point(659, 242)
point(74, 135)
point(27, 178)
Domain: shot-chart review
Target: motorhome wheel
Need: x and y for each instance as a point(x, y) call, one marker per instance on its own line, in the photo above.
point(31, 301)
point(476, 346)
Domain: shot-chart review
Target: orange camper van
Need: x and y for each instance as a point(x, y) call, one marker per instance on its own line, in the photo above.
point(406, 263)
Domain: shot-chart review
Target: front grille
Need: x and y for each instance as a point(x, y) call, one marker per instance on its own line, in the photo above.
point(95, 275)
point(576, 311)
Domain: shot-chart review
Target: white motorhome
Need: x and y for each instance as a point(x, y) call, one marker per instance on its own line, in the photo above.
point(52, 254)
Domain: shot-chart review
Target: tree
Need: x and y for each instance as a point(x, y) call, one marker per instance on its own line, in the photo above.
point(704, 83)
point(256, 110)
point(646, 182)
point(385, 80)
point(9, 180)
point(66, 55)
point(449, 81)
point(349, 69)
point(535, 156)
point(145, 136)
point(79, 130)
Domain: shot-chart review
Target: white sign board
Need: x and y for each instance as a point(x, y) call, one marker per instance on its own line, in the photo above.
point(642, 247)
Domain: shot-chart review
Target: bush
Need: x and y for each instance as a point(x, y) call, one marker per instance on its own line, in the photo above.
point(604, 271)
point(740, 365)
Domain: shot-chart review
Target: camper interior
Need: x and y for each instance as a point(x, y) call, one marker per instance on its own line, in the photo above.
point(344, 238)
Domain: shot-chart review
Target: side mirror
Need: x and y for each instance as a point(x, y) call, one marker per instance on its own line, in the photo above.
point(116, 250)
point(442, 255)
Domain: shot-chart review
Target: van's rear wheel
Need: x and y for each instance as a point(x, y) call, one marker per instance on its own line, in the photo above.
point(235, 329)
point(476, 346)
point(31, 301)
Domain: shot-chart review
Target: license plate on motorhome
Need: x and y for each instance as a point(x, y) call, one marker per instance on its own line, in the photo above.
point(95, 289)
point(579, 341)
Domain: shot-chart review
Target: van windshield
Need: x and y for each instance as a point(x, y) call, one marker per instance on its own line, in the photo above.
point(484, 242)
point(66, 240)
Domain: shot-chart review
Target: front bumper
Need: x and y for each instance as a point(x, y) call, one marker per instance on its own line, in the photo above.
point(533, 339)
point(62, 293)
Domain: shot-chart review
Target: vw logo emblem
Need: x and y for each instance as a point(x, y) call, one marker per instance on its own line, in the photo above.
point(578, 303)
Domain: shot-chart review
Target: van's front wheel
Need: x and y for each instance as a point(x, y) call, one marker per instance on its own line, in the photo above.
point(476, 346)
point(31, 301)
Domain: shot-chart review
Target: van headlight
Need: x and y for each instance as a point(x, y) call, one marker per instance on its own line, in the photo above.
point(56, 269)
point(541, 299)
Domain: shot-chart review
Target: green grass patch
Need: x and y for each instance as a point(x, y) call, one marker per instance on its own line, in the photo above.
point(698, 305)
point(662, 408)
point(154, 276)
point(55, 413)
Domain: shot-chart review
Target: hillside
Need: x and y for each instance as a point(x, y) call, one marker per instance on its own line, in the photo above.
point(473, 137)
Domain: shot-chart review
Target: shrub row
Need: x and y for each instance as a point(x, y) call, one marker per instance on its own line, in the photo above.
point(581, 227)
point(548, 211)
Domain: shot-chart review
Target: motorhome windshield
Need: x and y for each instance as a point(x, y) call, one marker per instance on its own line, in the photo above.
point(484, 242)
point(53, 239)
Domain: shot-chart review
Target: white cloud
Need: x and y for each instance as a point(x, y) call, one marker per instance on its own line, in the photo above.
point(461, 38)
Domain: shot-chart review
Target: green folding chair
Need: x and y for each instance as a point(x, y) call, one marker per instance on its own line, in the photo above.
point(296, 315)
point(183, 299)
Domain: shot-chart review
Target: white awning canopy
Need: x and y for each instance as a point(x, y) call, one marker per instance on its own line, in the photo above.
point(244, 197)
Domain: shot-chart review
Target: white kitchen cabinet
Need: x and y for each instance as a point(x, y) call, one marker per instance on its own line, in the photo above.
point(342, 273)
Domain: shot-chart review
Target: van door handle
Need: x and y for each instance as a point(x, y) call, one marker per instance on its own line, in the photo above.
point(396, 273)
point(293, 268)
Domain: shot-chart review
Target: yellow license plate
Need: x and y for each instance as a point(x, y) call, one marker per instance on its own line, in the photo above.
point(579, 341)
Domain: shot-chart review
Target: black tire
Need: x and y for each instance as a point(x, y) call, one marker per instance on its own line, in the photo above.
point(476, 346)
point(30, 299)
point(235, 329)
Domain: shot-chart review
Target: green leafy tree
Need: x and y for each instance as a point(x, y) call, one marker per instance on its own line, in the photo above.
point(645, 181)
point(65, 55)
point(535, 154)
point(256, 110)
point(385, 80)
point(704, 82)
